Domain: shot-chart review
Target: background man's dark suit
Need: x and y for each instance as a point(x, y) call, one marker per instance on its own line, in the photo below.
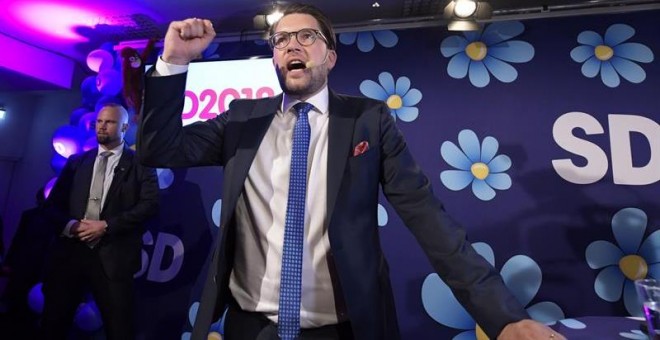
point(24, 266)
point(131, 199)
point(232, 140)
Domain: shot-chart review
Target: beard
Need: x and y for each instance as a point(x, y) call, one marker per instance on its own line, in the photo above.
point(305, 86)
point(105, 139)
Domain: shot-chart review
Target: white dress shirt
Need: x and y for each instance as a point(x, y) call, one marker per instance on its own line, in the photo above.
point(261, 213)
point(113, 160)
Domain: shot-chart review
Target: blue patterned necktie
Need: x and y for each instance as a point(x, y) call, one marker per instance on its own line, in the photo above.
point(294, 229)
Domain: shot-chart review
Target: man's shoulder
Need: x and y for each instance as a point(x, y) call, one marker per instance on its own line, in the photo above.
point(268, 105)
point(356, 100)
point(256, 101)
point(77, 157)
point(355, 103)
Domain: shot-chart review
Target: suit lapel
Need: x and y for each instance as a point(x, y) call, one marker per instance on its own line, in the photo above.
point(340, 132)
point(122, 168)
point(84, 180)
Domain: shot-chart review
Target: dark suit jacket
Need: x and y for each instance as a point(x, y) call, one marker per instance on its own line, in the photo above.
point(131, 199)
point(232, 140)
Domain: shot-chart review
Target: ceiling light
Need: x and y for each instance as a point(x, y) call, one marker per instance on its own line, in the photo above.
point(265, 19)
point(273, 16)
point(463, 14)
point(465, 8)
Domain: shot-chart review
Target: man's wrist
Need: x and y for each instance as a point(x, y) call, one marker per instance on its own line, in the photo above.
point(164, 68)
point(175, 61)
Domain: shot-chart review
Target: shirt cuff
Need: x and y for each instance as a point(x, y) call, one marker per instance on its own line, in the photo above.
point(164, 68)
point(67, 229)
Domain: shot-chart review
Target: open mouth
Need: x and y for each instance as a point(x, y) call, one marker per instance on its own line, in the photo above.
point(296, 65)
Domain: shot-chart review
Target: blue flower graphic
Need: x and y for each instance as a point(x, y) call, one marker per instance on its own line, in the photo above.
point(631, 260)
point(476, 164)
point(521, 275)
point(215, 330)
point(479, 53)
point(382, 216)
point(634, 334)
point(612, 56)
point(400, 98)
point(365, 40)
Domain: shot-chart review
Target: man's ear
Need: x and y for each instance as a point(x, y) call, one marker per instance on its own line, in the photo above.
point(124, 127)
point(332, 59)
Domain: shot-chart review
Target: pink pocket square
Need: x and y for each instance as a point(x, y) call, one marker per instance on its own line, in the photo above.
point(361, 148)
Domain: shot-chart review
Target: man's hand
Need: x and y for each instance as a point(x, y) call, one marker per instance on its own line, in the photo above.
point(90, 231)
point(529, 329)
point(74, 229)
point(186, 40)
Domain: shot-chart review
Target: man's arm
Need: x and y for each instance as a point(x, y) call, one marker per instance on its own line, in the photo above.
point(163, 141)
point(474, 282)
point(145, 207)
point(56, 206)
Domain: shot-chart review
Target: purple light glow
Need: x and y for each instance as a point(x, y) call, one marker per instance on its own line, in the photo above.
point(90, 143)
point(55, 19)
point(68, 140)
point(65, 147)
point(57, 163)
point(49, 186)
point(99, 60)
point(50, 33)
point(35, 62)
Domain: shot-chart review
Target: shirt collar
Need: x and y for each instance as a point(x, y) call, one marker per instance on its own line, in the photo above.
point(115, 152)
point(319, 100)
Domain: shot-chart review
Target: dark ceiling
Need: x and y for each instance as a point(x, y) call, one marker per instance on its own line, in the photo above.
point(43, 24)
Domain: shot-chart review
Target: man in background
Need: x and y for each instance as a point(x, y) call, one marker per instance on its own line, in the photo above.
point(24, 267)
point(98, 207)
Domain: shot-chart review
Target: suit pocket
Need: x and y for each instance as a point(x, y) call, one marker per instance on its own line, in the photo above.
point(365, 166)
point(367, 154)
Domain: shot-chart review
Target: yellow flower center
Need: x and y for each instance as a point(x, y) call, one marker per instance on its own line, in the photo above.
point(481, 335)
point(634, 267)
point(603, 52)
point(480, 170)
point(394, 102)
point(476, 50)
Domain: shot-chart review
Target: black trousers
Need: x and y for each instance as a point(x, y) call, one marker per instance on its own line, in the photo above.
point(243, 325)
point(75, 270)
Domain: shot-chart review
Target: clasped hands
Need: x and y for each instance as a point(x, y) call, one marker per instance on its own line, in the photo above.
point(89, 231)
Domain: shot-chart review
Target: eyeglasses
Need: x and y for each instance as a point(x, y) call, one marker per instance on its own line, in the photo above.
point(305, 37)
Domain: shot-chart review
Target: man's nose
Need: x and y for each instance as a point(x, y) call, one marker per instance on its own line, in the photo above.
point(294, 45)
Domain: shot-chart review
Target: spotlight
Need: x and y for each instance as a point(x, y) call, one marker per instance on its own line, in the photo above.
point(465, 8)
point(273, 16)
point(264, 21)
point(463, 14)
point(3, 113)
